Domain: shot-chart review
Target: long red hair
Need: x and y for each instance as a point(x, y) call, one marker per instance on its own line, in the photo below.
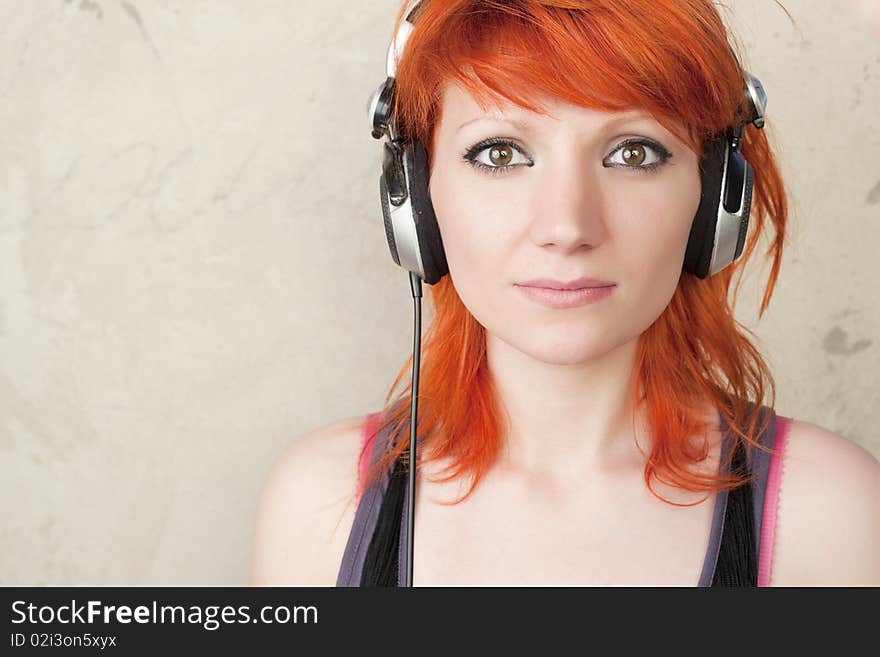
point(670, 57)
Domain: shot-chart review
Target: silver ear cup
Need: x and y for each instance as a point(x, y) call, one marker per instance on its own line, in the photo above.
point(397, 210)
point(386, 217)
point(732, 220)
point(746, 211)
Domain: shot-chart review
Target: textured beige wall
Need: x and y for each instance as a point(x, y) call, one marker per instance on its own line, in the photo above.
point(194, 269)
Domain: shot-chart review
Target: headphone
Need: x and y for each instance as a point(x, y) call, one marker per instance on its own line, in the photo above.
point(716, 239)
point(717, 234)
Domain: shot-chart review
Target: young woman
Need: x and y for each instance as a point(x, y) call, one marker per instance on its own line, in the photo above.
point(613, 434)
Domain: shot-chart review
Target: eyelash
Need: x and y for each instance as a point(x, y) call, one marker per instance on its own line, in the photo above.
point(470, 156)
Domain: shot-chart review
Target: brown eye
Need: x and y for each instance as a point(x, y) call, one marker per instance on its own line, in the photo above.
point(496, 156)
point(634, 154)
point(639, 155)
point(500, 155)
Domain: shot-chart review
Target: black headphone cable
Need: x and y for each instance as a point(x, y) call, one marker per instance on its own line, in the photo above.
point(415, 283)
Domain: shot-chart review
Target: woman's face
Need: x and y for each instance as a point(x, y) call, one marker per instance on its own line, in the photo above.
point(520, 196)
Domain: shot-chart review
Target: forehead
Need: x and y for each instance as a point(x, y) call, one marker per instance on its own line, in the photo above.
point(460, 109)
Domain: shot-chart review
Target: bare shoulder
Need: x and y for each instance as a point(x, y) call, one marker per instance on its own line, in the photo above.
point(306, 507)
point(828, 513)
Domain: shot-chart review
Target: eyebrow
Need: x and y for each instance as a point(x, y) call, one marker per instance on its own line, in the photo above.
point(617, 118)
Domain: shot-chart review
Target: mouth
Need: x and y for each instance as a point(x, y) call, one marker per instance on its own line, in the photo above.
point(566, 298)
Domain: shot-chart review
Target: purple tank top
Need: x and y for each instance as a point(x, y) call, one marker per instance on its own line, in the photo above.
point(367, 512)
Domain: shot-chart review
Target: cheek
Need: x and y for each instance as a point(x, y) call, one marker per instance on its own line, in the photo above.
point(661, 243)
point(477, 239)
point(656, 247)
point(655, 217)
point(473, 233)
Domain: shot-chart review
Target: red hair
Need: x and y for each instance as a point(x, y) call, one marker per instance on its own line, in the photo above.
point(670, 57)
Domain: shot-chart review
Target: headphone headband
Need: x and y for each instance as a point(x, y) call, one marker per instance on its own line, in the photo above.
point(379, 105)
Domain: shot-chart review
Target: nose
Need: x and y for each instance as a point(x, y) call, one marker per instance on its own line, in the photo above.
point(569, 212)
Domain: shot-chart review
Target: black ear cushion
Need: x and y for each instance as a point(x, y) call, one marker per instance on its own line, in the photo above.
point(431, 244)
point(698, 254)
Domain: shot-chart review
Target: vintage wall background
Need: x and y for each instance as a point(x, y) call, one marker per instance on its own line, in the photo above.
point(193, 270)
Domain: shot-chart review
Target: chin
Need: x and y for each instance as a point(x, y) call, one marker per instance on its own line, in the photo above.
point(568, 350)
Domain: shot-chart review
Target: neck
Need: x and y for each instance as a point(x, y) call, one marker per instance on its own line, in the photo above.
point(565, 421)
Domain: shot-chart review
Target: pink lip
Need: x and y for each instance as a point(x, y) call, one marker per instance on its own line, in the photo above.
point(576, 284)
point(566, 298)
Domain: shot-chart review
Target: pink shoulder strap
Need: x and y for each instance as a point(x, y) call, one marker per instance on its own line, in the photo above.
point(771, 500)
